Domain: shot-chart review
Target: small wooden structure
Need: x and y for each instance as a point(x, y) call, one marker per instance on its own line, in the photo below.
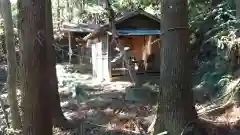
point(69, 44)
point(139, 31)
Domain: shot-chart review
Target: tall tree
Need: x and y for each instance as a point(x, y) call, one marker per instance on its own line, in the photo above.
point(34, 67)
point(176, 106)
point(57, 115)
point(11, 61)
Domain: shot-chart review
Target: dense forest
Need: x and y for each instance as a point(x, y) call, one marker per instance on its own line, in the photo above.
point(195, 43)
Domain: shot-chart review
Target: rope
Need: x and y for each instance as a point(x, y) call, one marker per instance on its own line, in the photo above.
point(173, 29)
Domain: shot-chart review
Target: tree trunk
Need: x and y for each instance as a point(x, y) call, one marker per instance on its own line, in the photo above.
point(82, 5)
point(176, 106)
point(237, 3)
point(58, 16)
point(34, 68)
point(68, 11)
point(57, 115)
point(11, 61)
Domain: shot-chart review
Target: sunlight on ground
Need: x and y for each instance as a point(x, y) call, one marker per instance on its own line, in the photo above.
point(104, 104)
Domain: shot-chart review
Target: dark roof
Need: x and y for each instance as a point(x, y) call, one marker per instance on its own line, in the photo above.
point(129, 15)
point(138, 32)
point(81, 28)
point(85, 28)
point(132, 14)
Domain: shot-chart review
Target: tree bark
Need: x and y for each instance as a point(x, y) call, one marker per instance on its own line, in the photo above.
point(237, 3)
point(58, 15)
point(11, 61)
point(176, 106)
point(57, 115)
point(68, 11)
point(34, 67)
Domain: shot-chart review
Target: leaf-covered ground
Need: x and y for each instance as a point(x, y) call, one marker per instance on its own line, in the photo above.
point(106, 105)
point(107, 108)
point(113, 106)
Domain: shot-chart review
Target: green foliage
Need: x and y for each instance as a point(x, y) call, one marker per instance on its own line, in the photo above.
point(222, 15)
point(216, 26)
point(130, 4)
point(91, 8)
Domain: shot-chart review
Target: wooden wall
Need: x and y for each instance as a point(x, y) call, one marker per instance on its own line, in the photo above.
point(142, 47)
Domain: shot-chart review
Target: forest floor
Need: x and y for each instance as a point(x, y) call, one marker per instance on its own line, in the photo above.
point(115, 107)
point(108, 108)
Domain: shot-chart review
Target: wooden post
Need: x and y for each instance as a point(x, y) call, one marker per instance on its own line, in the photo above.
point(82, 54)
point(79, 49)
point(94, 60)
point(109, 59)
point(106, 60)
point(99, 62)
point(69, 48)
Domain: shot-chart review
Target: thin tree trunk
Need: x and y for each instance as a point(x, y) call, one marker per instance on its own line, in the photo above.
point(237, 3)
point(58, 15)
point(176, 101)
point(57, 115)
point(68, 11)
point(34, 68)
point(12, 65)
point(82, 5)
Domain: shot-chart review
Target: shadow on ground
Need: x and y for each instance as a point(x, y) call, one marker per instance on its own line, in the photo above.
point(112, 109)
point(132, 109)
